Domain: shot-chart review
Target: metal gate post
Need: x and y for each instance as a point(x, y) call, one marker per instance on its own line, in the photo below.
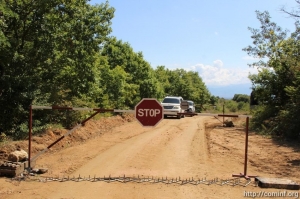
point(29, 135)
point(246, 146)
point(246, 155)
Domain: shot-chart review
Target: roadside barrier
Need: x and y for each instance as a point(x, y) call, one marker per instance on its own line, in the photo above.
point(125, 179)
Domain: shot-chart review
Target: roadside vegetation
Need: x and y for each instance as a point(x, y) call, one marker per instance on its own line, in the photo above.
point(276, 87)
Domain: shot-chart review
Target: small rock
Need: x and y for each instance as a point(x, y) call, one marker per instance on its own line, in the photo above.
point(18, 156)
point(50, 133)
point(43, 170)
point(39, 171)
point(3, 152)
point(34, 170)
point(229, 123)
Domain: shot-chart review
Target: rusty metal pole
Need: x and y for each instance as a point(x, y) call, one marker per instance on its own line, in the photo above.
point(246, 154)
point(246, 146)
point(223, 112)
point(29, 135)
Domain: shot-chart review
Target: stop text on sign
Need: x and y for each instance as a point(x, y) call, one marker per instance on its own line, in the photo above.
point(148, 112)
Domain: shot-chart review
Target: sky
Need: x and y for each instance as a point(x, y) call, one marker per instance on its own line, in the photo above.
point(206, 36)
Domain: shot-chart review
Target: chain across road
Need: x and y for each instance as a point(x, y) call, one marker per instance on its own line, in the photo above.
point(124, 179)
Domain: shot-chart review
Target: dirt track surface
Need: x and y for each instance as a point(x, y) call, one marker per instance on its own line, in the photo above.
point(192, 147)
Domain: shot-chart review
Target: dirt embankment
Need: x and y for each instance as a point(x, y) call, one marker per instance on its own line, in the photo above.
point(91, 130)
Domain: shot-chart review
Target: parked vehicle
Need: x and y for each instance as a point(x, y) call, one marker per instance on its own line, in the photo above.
point(172, 105)
point(188, 106)
point(191, 108)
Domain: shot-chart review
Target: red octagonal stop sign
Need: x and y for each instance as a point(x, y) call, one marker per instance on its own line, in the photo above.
point(149, 112)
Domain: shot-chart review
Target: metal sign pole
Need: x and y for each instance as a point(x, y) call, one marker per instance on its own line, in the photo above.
point(244, 175)
point(246, 146)
point(29, 135)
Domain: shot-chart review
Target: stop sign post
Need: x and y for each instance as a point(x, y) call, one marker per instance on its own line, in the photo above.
point(149, 112)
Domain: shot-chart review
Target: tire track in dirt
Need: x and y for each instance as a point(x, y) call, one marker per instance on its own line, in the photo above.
point(166, 150)
point(186, 153)
point(203, 142)
point(133, 155)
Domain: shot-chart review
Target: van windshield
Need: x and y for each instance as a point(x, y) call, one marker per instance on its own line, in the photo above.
point(171, 101)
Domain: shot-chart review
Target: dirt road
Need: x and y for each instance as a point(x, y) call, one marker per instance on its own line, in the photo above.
point(192, 147)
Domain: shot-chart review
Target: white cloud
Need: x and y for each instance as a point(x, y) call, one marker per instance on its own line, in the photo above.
point(218, 63)
point(218, 75)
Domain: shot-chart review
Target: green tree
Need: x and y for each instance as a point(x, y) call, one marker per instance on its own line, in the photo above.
point(161, 74)
point(142, 81)
point(213, 100)
point(232, 106)
point(117, 91)
point(241, 98)
point(187, 84)
point(276, 83)
point(47, 63)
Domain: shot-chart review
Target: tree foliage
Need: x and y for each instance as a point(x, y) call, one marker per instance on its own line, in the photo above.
point(276, 84)
point(47, 63)
point(141, 80)
point(187, 84)
point(241, 98)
